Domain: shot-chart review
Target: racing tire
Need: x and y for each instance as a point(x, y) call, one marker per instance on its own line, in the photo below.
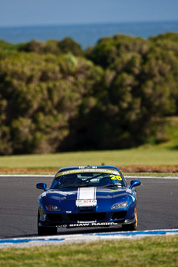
point(133, 226)
point(47, 230)
point(129, 227)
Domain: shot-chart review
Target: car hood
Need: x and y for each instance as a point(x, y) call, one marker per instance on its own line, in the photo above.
point(85, 193)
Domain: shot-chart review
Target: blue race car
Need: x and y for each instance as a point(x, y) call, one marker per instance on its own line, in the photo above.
point(87, 196)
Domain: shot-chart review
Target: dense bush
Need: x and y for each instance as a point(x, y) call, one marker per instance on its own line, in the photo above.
point(52, 46)
point(54, 96)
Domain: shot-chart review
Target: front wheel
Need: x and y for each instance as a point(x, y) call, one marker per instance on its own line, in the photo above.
point(47, 230)
point(129, 227)
point(133, 226)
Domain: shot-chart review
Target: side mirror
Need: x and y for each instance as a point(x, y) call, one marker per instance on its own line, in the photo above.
point(134, 183)
point(41, 186)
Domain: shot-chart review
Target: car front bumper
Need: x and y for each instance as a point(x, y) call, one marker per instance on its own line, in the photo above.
point(86, 219)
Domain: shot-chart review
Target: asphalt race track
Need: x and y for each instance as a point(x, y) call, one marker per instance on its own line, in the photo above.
point(157, 206)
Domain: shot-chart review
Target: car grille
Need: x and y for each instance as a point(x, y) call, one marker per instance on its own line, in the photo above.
point(92, 216)
point(55, 217)
point(97, 216)
point(119, 215)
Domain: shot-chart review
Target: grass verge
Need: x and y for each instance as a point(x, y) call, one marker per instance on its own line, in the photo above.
point(147, 156)
point(150, 251)
point(125, 157)
point(146, 159)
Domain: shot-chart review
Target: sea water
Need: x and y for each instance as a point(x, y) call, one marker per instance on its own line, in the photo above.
point(85, 34)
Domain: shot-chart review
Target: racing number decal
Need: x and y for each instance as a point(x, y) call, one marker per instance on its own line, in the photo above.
point(116, 177)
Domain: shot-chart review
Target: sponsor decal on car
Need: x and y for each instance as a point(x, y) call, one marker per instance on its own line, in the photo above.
point(86, 170)
point(85, 224)
point(86, 202)
point(116, 177)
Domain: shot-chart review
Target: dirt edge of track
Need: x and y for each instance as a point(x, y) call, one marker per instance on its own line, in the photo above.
point(128, 169)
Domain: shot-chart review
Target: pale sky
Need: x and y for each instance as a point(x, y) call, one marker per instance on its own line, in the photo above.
point(52, 12)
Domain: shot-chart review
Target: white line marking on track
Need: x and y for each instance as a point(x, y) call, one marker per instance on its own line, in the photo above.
point(78, 238)
point(153, 177)
point(52, 176)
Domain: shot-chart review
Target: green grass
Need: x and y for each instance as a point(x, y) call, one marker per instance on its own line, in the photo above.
point(144, 156)
point(171, 132)
point(165, 154)
point(150, 251)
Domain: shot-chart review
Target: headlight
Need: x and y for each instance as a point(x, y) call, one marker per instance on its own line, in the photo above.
point(120, 205)
point(53, 208)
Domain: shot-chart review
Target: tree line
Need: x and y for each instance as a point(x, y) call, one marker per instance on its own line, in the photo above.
point(54, 96)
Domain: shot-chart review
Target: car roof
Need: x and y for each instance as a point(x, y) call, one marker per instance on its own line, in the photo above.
point(88, 167)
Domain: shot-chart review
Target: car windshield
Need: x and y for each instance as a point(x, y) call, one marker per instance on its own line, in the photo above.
point(76, 178)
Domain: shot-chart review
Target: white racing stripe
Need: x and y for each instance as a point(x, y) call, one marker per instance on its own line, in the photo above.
point(86, 197)
point(86, 193)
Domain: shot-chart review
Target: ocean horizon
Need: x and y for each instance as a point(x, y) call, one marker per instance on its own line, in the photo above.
point(85, 34)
